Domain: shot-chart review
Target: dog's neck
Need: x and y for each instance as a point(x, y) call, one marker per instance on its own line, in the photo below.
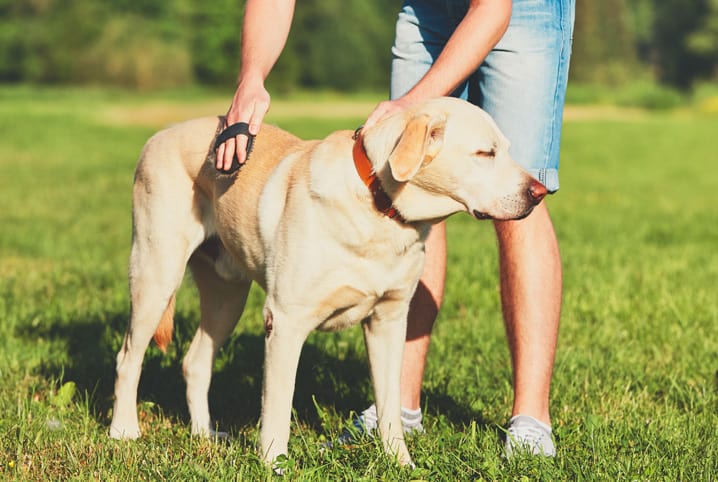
point(365, 169)
point(420, 199)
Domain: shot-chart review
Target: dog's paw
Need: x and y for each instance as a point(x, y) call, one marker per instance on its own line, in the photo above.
point(218, 436)
point(124, 433)
point(281, 464)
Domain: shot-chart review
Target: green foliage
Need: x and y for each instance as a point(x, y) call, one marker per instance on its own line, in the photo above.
point(642, 94)
point(614, 40)
point(649, 95)
point(675, 21)
point(40, 40)
point(131, 52)
point(338, 44)
point(215, 40)
point(634, 394)
point(706, 97)
point(704, 41)
point(604, 50)
point(583, 94)
point(152, 44)
point(349, 43)
point(134, 44)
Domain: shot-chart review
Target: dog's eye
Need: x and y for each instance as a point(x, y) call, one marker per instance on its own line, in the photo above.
point(491, 153)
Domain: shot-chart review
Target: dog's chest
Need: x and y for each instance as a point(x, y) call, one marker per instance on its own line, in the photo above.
point(345, 307)
point(364, 288)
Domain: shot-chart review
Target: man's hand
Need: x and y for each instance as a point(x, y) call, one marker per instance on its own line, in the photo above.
point(250, 104)
point(386, 109)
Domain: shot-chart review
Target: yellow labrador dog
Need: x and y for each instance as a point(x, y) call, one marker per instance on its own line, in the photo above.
point(333, 230)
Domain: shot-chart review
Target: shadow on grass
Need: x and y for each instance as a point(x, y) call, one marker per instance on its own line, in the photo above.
point(341, 385)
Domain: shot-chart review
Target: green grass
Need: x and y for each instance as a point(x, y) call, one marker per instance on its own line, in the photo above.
point(635, 393)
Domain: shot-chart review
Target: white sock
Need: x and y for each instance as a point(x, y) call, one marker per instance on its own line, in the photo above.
point(410, 419)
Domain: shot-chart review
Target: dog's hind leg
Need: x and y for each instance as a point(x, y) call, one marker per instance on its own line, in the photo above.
point(166, 230)
point(221, 303)
point(152, 299)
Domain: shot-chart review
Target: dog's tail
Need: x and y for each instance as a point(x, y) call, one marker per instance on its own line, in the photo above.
point(163, 334)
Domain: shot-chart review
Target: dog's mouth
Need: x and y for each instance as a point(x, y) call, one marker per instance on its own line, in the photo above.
point(480, 216)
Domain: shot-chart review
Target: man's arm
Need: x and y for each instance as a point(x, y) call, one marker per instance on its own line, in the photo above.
point(480, 30)
point(264, 33)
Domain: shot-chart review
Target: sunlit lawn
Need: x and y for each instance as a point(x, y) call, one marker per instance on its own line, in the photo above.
point(635, 392)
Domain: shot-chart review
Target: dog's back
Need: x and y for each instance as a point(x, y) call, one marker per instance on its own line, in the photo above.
point(185, 150)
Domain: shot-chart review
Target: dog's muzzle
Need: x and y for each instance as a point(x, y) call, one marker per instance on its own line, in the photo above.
point(535, 192)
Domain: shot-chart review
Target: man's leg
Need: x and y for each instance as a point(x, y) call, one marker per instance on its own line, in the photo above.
point(531, 286)
point(530, 271)
point(522, 85)
point(422, 314)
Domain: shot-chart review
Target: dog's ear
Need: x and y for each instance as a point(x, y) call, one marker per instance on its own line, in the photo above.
point(419, 143)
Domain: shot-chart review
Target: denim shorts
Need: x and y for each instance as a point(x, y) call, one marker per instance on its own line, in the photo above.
point(521, 83)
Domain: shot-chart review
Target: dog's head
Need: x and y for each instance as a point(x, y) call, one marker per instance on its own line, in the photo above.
point(447, 155)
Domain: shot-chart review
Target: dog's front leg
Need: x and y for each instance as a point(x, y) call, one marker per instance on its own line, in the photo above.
point(384, 335)
point(283, 345)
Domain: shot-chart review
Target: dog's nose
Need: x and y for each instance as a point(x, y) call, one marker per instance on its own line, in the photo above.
point(537, 191)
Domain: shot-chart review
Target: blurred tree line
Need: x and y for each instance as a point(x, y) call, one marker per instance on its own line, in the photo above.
point(339, 44)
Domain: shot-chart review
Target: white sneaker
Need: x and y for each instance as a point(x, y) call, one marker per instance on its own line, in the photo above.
point(528, 435)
